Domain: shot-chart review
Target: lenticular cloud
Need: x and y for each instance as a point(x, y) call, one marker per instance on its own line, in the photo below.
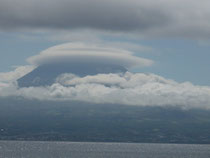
point(81, 52)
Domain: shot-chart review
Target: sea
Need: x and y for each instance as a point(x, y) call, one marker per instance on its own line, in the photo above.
point(35, 149)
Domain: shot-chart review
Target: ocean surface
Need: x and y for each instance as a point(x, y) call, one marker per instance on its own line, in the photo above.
point(30, 149)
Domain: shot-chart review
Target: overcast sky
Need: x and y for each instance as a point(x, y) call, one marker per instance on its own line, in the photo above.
point(169, 38)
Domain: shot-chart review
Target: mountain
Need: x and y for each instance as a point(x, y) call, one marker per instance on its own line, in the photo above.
point(46, 74)
point(31, 119)
point(22, 119)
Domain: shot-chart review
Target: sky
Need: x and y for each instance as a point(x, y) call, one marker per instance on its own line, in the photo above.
point(169, 38)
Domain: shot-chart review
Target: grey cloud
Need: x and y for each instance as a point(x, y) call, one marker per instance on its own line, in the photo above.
point(108, 15)
point(174, 18)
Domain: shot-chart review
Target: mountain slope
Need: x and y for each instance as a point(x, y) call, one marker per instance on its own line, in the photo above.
point(46, 74)
point(22, 119)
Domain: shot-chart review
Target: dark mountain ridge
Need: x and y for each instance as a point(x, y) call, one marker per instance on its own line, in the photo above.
point(26, 119)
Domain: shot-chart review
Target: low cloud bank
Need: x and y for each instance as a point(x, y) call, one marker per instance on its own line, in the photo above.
point(137, 89)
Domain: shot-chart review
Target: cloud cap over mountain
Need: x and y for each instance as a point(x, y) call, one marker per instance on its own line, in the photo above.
point(83, 53)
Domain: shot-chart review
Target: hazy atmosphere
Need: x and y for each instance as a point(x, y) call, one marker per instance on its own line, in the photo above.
point(105, 78)
point(161, 48)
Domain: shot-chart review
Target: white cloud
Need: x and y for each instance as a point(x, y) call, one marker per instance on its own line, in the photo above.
point(80, 52)
point(7, 77)
point(137, 89)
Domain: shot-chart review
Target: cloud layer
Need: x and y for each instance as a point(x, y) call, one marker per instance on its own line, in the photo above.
point(80, 53)
point(177, 18)
point(137, 89)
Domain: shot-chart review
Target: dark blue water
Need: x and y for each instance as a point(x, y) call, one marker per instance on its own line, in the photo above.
point(23, 149)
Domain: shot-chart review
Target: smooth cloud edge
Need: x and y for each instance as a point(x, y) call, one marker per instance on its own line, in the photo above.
point(80, 52)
